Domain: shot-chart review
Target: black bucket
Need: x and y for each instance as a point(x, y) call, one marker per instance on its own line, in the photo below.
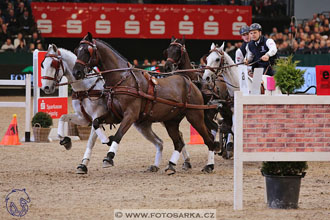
point(283, 191)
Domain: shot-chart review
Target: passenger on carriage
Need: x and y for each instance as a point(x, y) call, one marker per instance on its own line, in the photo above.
point(241, 52)
point(261, 51)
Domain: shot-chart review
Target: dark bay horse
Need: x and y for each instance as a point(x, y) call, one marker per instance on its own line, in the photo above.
point(177, 58)
point(135, 97)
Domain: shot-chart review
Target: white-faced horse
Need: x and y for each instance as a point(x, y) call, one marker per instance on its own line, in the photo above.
point(88, 103)
point(217, 58)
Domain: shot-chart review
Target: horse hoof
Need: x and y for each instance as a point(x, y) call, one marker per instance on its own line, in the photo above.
point(208, 168)
point(230, 154)
point(230, 146)
point(170, 169)
point(186, 166)
point(66, 142)
point(81, 169)
point(224, 154)
point(107, 162)
point(153, 169)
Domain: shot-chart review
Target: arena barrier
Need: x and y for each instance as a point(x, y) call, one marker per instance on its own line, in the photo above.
point(279, 128)
point(26, 104)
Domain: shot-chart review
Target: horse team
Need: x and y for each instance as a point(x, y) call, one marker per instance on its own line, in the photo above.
point(123, 94)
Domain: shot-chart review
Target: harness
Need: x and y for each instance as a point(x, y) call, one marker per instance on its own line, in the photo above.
point(182, 49)
point(57, 63)
point(81, 95)
point(94, 58)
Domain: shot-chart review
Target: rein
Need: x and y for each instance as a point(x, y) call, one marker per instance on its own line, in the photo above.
point(201, 69)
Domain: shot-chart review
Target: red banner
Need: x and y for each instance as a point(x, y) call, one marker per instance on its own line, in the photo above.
point(141, 20)
point(322, 79)
point(41, 57)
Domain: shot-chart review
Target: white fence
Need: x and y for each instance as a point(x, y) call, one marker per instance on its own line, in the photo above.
point(26, 104)
point(279, 128)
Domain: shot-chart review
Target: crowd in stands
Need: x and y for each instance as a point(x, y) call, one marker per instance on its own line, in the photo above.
point(18, 30)
point(311, 36)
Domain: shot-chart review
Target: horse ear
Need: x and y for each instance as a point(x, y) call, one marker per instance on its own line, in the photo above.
point(212, 46)
point(222, 46)
point(89, 37)
point(204, 59)
point(54, 47)
point(165, 53)
point(183, 40)
point(172, 39)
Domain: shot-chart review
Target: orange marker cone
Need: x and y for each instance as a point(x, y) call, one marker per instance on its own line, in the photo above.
point(11, 136)
point(195, 138)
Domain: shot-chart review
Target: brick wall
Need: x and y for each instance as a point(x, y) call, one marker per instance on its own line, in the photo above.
point(286, 128)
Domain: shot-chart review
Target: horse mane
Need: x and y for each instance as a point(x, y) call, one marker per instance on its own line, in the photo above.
point(113, 49)
point(68, 51)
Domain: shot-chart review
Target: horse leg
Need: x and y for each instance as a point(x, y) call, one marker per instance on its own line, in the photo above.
point(186, 158)
point(82, 168)
point(172, 128)
point(74, 118)
point(145, 129)
point(97, 122)
point(194, 117)
point(212, 125)
point(129, 118)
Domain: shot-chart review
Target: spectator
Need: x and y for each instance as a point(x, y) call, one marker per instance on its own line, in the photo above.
point(146, 62)
point(135, 62)
point(20, 9)
point(36, 39)
point(18, 40)
point(39, 46)
point(302, 49)
point(21, 47)
point(2, 16)
point(326, 31)
point(323, 47)
point(31, 47)
point(8, 46)
point(26, 23)
point(316, 49)
point(328, 46)
point(4, 33)
point(162, 63)
point(11, 21)
point(284, 49)
point(153, 62)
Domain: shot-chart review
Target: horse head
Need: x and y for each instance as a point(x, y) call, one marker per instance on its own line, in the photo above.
point(214, 59)
point(87, 57)
point(52, 69)
point(174, 54)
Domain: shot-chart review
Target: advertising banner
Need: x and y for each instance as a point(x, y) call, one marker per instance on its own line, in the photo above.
point(141, 20)
point(323, 79)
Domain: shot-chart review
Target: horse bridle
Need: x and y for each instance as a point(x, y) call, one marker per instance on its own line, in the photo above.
point(92, 52)
point(57, 63)
point(182, 49)
point(222, 61)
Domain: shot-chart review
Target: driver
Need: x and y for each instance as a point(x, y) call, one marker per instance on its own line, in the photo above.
point(261, 51)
